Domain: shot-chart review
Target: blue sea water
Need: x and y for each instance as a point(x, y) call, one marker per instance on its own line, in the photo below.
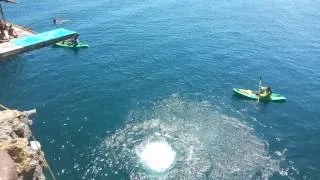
point(164, 70)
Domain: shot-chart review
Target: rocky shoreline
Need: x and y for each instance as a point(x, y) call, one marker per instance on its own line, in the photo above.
point(17, 141)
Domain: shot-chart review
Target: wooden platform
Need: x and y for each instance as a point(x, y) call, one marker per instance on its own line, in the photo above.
point(28, 40)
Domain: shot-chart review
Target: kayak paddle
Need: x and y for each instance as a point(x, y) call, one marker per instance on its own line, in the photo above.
point(259, 88)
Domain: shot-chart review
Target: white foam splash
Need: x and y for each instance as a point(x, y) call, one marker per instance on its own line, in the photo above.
point(157, 156)
point(182, 139)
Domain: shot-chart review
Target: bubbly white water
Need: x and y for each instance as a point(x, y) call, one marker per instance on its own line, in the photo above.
point(158, 156)
point(178, 139)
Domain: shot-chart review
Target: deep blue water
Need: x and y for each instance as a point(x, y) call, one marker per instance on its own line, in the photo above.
point(166, 59)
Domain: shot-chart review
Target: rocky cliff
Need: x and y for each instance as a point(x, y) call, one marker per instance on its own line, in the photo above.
point(16, 140)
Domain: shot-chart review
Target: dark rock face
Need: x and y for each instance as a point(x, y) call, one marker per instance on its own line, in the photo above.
point(15, 135)
point(22, 130)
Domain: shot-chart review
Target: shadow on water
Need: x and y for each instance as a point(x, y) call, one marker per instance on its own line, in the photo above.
point(75, 50)
point(10, 65)
point(5, 60)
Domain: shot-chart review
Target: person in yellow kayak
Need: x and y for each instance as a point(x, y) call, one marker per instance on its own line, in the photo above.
point(265, 92)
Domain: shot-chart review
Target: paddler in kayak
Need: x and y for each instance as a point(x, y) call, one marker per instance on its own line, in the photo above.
point(265, 92)
point(72, 42)
point(75, 40)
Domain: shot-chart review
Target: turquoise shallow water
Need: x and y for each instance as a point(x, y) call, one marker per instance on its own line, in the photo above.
point(164, 71)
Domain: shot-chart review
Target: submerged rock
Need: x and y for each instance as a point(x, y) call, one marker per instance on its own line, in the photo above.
point(15, 137)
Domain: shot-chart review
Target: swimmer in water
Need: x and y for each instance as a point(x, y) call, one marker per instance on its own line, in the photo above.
point(57, 21)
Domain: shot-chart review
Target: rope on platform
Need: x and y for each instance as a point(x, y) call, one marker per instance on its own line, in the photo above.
point(39, 151)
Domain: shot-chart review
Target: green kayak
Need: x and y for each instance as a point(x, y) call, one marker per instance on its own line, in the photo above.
point(253, 95)
point(68, 45)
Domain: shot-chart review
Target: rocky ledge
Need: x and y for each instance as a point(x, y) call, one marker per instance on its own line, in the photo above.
point(16, 141)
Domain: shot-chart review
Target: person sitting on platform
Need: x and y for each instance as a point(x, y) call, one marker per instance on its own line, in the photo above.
point(3, 25)
point(3, 36)
point(12, 32)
